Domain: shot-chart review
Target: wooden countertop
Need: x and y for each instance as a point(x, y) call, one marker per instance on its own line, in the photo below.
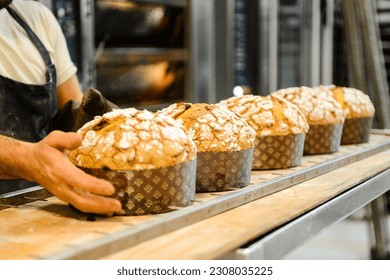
point(49, 229)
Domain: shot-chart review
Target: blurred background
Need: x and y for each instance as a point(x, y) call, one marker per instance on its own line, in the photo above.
point(151, 53)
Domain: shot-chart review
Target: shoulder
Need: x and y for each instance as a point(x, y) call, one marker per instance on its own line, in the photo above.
point(33, 12)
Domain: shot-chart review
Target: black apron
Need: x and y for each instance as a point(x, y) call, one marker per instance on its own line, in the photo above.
point(25, 110)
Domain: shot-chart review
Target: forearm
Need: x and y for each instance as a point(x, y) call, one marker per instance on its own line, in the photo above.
point(14, 158)
point(69, 90)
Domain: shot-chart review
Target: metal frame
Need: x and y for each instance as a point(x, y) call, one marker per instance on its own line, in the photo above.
point(380, 238)
point(224, 39)
point(327, 26)
point(210, 35)
point(263, 45)
point(268, 46)
point(12, 199)
point(311, 43)
point(201, 65)
point(88, 67)
point(288, 237)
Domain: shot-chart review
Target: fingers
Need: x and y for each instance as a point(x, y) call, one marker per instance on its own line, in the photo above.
point(69, 183)
point(86, 192)
point(87, 202)
point(78, 179)
point(87, 196)
point(63, 140)
point(69, 172)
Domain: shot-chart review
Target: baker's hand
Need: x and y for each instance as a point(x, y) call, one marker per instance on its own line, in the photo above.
point(56, 173)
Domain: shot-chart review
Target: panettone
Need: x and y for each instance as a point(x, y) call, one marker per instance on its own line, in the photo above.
point(318, 107)
point(148, 157)
point(323, 114)
point(268, 115)
point(128, 139)
point(355, 103)
point(280, 129)
point(224, 142)
point(359, 112)
point(213, 127)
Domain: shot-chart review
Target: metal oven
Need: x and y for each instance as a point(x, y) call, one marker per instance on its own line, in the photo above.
point(140, 52)
point(151, 53)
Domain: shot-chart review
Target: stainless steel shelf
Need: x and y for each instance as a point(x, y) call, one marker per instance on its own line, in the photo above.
point(19, 197)
point(288, 237)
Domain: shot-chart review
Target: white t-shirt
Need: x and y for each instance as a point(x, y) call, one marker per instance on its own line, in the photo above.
point(19, 58)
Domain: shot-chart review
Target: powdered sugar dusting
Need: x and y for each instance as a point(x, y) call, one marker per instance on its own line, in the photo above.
point(269, 115)
point(355, 103)
point(129, 139)
point(213, 127)
point(317, 106)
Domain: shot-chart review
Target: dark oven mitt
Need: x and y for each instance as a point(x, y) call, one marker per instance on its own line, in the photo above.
point(73, 115)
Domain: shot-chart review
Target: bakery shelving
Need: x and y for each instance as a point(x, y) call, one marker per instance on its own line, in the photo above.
point(104, 238)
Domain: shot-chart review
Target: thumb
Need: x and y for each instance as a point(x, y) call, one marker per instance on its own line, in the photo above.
point(63, 140)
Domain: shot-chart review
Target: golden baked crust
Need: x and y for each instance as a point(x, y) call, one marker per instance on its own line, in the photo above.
point(355, 103)
point(128, 139)
point(317, 105)
point(213, 127)
point(269, 115)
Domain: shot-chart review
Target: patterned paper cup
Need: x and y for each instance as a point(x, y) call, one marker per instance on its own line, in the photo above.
point(151, 191)
point(222, 171)
point(356, 131)
point(275, 152)
point(323, 139)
